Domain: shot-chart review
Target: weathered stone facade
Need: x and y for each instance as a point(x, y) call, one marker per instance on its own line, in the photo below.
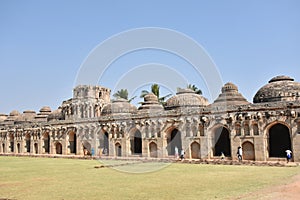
point(90, 123)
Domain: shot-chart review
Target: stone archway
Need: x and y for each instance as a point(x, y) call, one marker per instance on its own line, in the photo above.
point(118, 149)
point(58, 148)
point(36, 148)
point(11, 142)
point(46, 141)
point(106, 144)
point(279, 140)
point(153, 150)
point(19, 148)
point(221, 141)
point(27, 139)
point(136, 143)
point(195, 150)
point(87, 148)
point(174, 140)
point(72, 142)
point(248, 151)
point(3, 148)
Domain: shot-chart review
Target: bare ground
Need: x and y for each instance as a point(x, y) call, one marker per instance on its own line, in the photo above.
point(287, 191)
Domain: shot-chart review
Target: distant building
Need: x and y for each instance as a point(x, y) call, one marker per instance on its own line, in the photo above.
point(91, 123)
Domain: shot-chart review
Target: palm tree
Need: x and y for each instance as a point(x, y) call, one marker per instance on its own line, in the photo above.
point(194, 88)
point(123, 93)
point(155, 90)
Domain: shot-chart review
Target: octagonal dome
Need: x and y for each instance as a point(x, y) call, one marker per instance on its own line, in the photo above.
point(279, 88)
point(118, 106)
point(150, 103)
point(186, 98)
point(230, 96)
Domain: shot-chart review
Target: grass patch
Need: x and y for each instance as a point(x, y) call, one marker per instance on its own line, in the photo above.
point(54, 178)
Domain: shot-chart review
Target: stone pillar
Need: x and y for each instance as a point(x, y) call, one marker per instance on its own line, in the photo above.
point(51, 145)
point(145, 148)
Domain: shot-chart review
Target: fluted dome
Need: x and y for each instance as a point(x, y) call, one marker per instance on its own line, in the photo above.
point(45, 109)
point(150, 103)
point(118, 106)
point(279, 88)
point(186, 98)
point(230, 96)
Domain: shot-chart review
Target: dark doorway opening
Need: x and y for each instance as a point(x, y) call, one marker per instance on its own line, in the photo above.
point(137, 143)
point(174, 141)
point(279, 141)
point(222, 142)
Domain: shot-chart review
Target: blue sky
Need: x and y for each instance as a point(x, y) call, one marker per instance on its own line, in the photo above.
point(44, 43)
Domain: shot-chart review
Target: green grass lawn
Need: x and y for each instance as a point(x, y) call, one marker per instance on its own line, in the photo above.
point(55, 178)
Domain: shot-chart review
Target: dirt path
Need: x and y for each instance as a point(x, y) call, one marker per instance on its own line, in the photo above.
point(287, 191)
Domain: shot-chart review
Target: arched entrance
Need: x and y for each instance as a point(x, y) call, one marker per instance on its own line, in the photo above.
point(3, 148)
point(174, 141)
point(195, 150)
point(72, 142)
point(136, 143)
point(221, 141)
point(46, 140)
point(87, 149)
point(248, 151)
point(106, 144)
point(153, 150)
point(27, 139)
point(11, 139)
point(58, 148)
point(279, 140)
point(36, 148)
point(118, 149)
point(19, 148)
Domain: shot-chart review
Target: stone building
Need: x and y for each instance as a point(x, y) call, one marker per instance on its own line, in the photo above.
point(90, 123)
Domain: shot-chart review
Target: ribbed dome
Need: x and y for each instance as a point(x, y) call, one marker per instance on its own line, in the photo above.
point(150, 103)
point(279, 88)
point(118, 106)
point(186, 98)
point(45, 109)
point(230, 96)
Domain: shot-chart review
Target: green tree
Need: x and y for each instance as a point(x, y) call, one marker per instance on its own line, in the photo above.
point(194, 88)
point(155, 89)
point(123, 93)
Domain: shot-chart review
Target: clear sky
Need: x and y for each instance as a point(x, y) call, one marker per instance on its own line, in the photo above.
point(44, 43)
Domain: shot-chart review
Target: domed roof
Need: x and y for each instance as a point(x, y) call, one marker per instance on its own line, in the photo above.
point(56, 115)
point(150, 103)
point(45, 109)
point(3, 117)
point(14, 113)
point(27, 116)
point(118, 106)
point(279, 88)
point(186, 98)
point(230, 96)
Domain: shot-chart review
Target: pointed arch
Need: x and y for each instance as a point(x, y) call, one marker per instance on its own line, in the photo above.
point(118, 149)
point(221, 141)
point(174, 140)
point(153, 149)
point(279, 140)
point(248, 151)
point(195, 150)
point(58, 148)
point(72, 142)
